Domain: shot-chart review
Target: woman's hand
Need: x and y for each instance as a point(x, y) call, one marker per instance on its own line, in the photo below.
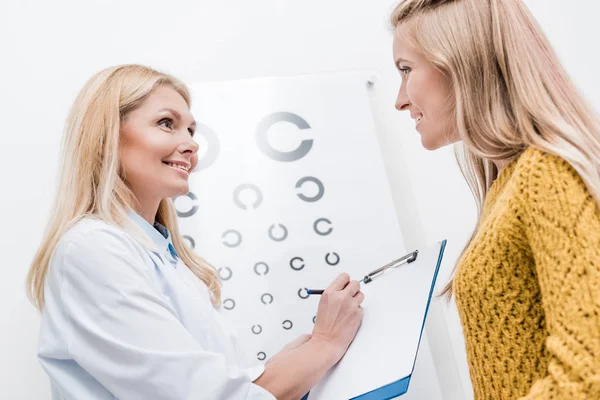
point(339, 315)
point(291, 373)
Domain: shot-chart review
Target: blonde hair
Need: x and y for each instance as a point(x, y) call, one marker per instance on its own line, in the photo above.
point(90, 184)
point(510, 90)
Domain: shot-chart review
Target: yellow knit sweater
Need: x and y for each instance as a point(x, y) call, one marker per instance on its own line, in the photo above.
point(528, 286)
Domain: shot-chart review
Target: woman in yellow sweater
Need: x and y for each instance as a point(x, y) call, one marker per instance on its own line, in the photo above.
point(527, 285)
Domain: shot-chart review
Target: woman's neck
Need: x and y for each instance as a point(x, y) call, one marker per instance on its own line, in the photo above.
point(501, 164)
point(147, 209)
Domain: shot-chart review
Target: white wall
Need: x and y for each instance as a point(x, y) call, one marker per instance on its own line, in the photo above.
point(49, 49)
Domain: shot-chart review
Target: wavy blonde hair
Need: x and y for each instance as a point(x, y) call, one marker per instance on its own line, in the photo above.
point(510, 91)
point(90, 184)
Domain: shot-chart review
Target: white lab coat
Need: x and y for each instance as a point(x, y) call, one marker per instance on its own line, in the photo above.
point(122, 321)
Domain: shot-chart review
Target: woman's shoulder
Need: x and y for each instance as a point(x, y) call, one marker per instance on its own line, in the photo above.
point(534, 159)
point(90, 226)
point(549, 185)
point(541, 171)
point(92, 235)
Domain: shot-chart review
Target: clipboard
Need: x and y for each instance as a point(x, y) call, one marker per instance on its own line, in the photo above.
point(380, 361)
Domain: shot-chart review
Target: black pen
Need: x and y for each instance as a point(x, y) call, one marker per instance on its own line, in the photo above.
point(407, 259)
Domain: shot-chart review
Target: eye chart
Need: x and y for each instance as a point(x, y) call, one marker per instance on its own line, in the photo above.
point(290, 191)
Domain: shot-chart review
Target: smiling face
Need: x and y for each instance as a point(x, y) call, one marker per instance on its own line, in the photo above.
point(425, 92)
point(157, 151)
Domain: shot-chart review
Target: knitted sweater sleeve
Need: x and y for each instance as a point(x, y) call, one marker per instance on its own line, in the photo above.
point(562, 223)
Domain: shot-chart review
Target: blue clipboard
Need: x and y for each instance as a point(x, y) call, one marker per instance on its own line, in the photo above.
point(400, 386)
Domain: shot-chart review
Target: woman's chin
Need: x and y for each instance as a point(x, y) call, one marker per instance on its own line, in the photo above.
point(434, 143)
point(429, 144)
point(180, 190)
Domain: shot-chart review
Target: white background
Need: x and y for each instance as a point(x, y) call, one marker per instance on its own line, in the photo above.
point(49, 49)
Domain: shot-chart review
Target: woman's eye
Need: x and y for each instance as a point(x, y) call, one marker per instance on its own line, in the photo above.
point(404, 71)
point(166, 122)
point(191, 131)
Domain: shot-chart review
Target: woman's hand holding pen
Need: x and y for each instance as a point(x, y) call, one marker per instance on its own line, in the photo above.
point(291, 373)
point(339, 315)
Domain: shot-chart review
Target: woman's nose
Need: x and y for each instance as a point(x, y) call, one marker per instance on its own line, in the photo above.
point(190, 145)
point(402, 102)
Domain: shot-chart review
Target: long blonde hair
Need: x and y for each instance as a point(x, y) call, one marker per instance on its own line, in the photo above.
point(510, 90)
point(90, 184)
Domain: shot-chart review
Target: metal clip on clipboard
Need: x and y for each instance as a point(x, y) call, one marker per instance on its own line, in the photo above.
point(407, 259)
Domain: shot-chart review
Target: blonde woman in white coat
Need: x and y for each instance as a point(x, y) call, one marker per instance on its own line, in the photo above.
point(128, 311)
